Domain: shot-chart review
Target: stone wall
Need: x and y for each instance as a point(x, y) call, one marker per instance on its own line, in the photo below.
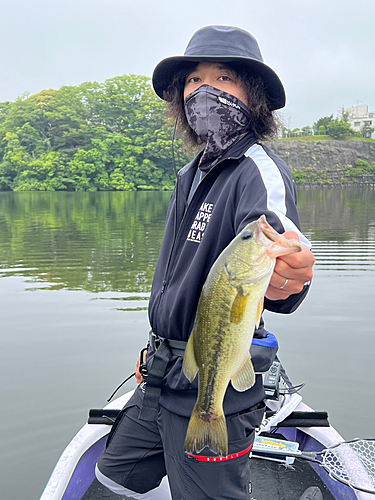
point(322, 155)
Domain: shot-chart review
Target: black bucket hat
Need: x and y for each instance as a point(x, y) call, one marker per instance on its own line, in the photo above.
point(222, 44)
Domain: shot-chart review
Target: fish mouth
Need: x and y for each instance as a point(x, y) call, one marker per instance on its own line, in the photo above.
point(273, 235)
point(266, 229)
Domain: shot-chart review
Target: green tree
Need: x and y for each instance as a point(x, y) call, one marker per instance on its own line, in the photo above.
point(307, 131)
point(286, 132)
point(15, 160)
point(45, 173)
point(339, 129)
point(321, 130)
point(95, 136)
point(366, 130)
point(324, 121)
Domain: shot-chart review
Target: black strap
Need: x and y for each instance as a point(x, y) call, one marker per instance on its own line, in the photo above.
point(177, 347)
point(155, 376)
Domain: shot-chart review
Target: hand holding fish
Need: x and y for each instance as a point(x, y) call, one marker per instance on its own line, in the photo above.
point(291, 272)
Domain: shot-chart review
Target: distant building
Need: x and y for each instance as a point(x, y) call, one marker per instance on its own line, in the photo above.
point(359, 116)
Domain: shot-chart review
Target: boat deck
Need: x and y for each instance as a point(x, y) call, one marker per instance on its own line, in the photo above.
point(276, 481)
point(270, 481)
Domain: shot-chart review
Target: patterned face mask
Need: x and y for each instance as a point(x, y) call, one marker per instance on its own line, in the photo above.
point(218, 119)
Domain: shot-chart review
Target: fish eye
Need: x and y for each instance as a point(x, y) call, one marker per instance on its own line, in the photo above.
point(246, 235)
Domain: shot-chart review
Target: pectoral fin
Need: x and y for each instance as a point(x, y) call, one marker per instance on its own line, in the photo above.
point(244, 378)
point(238, 308)
point(259, 311)
point(189, 365)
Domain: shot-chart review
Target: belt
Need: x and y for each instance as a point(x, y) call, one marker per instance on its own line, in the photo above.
point(177, 347)
point(164, 349)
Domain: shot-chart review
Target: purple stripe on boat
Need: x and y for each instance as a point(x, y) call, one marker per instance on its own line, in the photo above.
point(84, 473)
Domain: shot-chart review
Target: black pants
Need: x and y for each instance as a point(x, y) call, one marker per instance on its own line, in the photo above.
point(138, 454)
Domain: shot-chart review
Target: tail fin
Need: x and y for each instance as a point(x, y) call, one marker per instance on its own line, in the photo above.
point(205, 430)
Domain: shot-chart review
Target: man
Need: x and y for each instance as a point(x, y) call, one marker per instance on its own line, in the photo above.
point(223, 95)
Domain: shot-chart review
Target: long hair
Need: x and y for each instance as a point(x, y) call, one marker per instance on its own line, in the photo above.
point(263, 123)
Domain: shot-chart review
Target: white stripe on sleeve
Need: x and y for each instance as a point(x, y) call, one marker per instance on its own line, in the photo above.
point(275, 189)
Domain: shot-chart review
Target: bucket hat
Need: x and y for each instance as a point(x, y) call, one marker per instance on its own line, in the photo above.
point(222, 44)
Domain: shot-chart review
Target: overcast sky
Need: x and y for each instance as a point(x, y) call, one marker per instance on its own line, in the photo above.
point(323, 51)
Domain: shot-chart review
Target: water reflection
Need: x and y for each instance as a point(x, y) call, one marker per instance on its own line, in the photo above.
point(133, 302)
point(109, 241)
point(351, 256)
point(338, 214)
point(90, 241)
point(341, 226)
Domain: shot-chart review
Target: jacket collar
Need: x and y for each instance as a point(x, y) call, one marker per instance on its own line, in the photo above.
point(234, 152)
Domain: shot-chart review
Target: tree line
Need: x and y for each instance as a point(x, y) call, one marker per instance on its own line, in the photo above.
point(96, 136)
point(336, 128)
point(100, 137)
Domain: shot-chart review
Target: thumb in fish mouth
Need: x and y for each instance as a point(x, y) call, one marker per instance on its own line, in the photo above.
point(292, 237)
point(271, 234)
point(282, 244)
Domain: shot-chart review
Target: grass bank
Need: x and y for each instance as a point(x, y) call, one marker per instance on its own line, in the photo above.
point(319, 138)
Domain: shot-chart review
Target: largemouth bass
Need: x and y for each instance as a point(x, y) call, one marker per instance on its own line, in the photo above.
point(229, 309)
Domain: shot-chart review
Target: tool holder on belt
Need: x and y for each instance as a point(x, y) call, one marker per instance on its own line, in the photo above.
point(164, 349)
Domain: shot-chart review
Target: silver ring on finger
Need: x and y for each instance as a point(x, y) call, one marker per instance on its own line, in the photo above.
point(284, 285)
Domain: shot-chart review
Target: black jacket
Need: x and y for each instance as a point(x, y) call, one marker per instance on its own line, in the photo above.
point(247, 182)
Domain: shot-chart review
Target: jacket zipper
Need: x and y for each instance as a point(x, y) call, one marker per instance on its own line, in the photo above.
point(177, 233)
point(167, 273)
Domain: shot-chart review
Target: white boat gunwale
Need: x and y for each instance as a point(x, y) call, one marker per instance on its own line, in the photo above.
point(86, 437)
point(90, 434)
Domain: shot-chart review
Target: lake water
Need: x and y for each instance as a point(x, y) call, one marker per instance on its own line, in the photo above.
point(75, 275)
